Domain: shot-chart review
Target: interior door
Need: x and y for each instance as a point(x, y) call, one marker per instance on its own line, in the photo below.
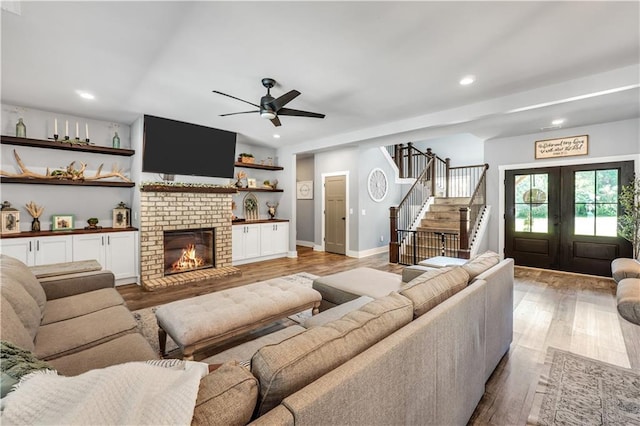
point(532, 213)
point(335, 203)
point(565, 218)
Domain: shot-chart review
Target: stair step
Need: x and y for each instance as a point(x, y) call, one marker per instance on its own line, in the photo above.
point(452, 200)
point(440, 223)
point(446, 207)
point(443, 215)
point(445, 230)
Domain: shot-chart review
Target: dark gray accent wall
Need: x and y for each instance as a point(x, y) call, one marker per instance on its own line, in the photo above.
point(305, 212)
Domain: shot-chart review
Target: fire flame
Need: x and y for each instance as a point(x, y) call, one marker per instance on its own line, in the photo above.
point(188, 260)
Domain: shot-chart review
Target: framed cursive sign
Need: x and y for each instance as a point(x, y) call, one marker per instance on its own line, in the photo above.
point(562, 147)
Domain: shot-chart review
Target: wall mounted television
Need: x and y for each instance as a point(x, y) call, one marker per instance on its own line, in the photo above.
point(179, 148)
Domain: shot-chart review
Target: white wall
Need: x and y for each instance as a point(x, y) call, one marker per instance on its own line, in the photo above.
point(606, 140)
point(463, 149)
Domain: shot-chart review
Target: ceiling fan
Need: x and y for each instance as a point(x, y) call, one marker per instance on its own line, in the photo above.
point(270, 107)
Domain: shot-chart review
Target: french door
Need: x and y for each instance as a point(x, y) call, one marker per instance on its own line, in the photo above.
point(565, 218)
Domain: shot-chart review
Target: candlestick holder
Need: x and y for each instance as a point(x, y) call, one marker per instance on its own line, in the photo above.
point(55, 137)
point(87, 140)
point(66, 138)
point(77, 138)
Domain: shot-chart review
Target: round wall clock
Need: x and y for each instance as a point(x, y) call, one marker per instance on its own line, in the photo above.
point(377, 185)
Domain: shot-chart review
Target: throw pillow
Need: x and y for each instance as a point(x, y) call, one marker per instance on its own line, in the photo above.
point(15, 363)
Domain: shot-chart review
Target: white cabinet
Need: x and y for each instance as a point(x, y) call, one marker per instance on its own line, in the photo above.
point(261, 241)
point(274, 238)
point(245, 242)
point(115, 251)
point(39, 250)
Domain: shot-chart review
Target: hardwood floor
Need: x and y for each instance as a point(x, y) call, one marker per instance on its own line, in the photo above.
point(573, 312)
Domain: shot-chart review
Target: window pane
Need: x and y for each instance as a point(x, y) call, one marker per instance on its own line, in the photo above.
point(522, 185)
point(607, 186)
point(584, 219)
point(540, 218)
point(606, 220)
point(523, 218)
point(585, 185)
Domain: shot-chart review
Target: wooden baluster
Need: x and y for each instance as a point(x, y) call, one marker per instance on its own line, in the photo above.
point(394, 246)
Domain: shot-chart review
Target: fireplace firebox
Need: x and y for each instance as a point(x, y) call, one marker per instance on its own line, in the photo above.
point(189, 250)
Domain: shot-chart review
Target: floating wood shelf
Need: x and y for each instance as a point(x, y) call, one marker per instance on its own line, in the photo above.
point(39, 143)
point(66, 182)
point(260, 190)
point(257, 166)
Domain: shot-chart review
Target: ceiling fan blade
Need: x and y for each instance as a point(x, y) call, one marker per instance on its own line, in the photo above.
point(238, 99)
point(276, 121)
point(278, 103)
point(298, 113)
point(236, 113)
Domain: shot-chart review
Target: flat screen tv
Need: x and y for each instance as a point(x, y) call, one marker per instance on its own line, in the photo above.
point(179, 148)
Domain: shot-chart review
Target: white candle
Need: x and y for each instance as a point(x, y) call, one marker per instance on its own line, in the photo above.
point(77, 130)
point(87, 130)
point(55, 126)
point(66, 127)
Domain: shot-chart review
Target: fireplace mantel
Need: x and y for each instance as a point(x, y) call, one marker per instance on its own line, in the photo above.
point(159, 187)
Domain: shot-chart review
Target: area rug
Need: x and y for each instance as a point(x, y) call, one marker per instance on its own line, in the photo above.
point(147, 325)
point(582, 391)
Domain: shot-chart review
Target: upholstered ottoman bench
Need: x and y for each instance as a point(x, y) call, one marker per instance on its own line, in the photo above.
point(343, 287)
point(212, 318)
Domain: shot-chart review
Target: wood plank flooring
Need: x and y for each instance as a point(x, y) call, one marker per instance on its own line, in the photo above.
point(567, 311)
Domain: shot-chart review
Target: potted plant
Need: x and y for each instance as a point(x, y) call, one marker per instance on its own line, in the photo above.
point(246, 158)
point(629, 220)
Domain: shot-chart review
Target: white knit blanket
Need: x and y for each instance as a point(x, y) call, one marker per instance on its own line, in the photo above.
point(126, 394)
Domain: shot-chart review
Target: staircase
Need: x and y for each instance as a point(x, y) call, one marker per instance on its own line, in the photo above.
point(442, 211)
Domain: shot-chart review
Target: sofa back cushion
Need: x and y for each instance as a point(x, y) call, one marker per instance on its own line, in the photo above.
point(480, 263)
point(23, 304)
point(433, 287)
point(20, 272)
point(12, 328)
point(288, 366)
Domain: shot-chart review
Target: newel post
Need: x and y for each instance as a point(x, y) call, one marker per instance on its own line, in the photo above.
point(464, 250)
point(410, 171)
point(394, 247)
point(447, 167)
point(399, 159)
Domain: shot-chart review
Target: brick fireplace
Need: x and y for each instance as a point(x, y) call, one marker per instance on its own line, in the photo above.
point(165, 209)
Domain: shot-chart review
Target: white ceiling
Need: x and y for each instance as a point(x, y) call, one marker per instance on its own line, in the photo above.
point(374, 68)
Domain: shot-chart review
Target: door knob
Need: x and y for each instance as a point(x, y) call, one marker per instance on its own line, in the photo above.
point(343, 218)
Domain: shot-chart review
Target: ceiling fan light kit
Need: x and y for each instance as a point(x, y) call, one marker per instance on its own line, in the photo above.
point(270, 108)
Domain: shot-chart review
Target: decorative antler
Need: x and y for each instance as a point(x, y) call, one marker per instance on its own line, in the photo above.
point(24, 171)
point(115, 172)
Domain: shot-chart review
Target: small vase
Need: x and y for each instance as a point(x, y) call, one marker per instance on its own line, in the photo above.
point(35, 225)
point(116, 141)
point(21, 129)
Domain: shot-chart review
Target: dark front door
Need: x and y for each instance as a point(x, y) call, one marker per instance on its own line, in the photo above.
point(565, 218)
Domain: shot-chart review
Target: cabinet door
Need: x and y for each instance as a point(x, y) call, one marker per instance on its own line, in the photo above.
point(22, 249)
point(237, 242)
point(53, 250)
point(267, 231)
point(281, 238)
point(121, 255)
point(252, 241)
point(90, 247)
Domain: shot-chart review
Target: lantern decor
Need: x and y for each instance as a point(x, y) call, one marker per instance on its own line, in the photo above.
point(121, 216)
point(10, 219)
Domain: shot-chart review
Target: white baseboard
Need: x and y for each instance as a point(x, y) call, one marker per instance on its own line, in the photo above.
point(305, 243)
point(366, 253)
point(292, 254)
point(318, 248)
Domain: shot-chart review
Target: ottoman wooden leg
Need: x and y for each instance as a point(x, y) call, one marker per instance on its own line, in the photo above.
point(162, 341)
point(187, 353)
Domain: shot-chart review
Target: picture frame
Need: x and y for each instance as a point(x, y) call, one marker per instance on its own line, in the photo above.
point(62, 222)
point(10, 222)
point(121, 217)
point(562, 147)
point(304, 190)
point(251, 183)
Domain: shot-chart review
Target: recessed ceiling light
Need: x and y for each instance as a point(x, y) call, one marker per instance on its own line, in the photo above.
point(85, 95)
point(467, 80)
point(276, 136)
point(558, 121)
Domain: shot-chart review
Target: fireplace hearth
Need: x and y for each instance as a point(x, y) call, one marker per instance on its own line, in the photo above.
point(188, 250)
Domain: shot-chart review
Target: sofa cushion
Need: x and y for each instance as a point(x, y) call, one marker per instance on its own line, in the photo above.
point(336, 312)
point(127, 348)
point(622, 268)
point(23, 304)
point(21, 272)
point(73, 335)
point(287, 367)
point(13, 329)
point(433, 287)
point(16, 362)
point(80, 304)
point(226, 396)
point(628, 299)
point(480, 263)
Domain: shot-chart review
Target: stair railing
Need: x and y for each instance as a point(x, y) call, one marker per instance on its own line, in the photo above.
point(471, 214)
point(409, 159)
